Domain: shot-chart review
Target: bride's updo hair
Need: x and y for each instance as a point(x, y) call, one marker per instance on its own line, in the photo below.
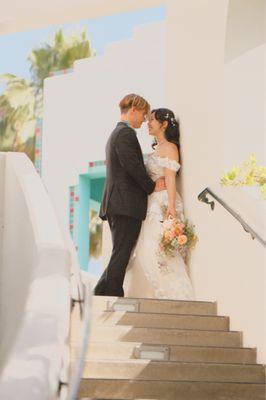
point(172, 133)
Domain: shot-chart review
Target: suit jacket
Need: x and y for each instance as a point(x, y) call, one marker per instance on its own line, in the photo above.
point(127, 183)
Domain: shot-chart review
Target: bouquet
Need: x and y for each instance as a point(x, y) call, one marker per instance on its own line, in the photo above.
point(177, 237)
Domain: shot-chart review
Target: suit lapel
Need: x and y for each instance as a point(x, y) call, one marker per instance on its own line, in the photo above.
point(139, 147)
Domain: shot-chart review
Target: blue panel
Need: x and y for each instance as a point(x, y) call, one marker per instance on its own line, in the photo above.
point(97, 186)
point(83, 219)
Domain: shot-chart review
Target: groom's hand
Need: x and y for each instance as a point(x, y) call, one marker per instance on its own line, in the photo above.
point(160, 185)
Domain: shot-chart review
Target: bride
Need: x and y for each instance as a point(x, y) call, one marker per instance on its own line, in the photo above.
point(148, 273)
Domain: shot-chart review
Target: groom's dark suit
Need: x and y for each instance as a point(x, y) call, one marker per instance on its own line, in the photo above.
point(124, 204)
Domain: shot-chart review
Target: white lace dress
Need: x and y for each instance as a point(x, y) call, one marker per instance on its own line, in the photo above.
point(148, 273)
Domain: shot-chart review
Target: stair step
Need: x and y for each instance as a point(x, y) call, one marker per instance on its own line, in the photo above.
point(156, 305)
point(163, 336)
point(129, 389)
point(173, 371)
point(153, 320)
point(124, 351)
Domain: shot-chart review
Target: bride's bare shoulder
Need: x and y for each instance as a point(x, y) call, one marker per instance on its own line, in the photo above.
point(169, 150)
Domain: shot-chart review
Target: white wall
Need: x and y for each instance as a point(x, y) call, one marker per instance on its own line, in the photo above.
point(227, 265)
point(245, 27)
point(244, 127)
point(81, 109)
point(34, 286)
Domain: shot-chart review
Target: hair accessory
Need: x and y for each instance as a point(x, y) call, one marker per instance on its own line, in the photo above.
point(170, 119)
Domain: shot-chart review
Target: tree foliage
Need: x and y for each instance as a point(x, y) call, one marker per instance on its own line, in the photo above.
point(59, 55)
point(21, 102)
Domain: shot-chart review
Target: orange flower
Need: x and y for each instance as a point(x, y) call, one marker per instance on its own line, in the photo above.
point(167, 235)
point(182, 239)
point(178, 231)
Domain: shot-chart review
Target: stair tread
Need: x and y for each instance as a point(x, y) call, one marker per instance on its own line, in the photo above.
point(73, 343)
point(155, 305)
point(175, 371)
point(165, 336)
point(169, 381)
point(185, 353)
point(153, 299)
point(156, 321)
point(144, 361)
point(125, 327)
point(89, 360)
point(170, 390)
point(158, 314)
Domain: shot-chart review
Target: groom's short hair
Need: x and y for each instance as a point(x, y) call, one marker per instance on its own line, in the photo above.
point(133, 100)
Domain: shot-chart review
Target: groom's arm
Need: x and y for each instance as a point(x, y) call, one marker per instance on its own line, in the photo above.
point(126, 148)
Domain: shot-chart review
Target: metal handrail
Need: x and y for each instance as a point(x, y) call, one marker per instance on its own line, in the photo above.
point(203, 197)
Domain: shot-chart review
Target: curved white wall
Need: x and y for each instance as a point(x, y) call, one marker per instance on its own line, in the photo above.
point(34, 285)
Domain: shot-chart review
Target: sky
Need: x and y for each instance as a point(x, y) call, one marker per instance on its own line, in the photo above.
point(15, 48)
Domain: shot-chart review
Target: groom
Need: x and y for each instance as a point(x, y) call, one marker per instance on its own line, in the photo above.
point(124, 203)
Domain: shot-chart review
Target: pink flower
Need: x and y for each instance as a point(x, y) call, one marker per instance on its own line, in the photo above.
point(181, 226)
point(182, 239)
point(172, 235)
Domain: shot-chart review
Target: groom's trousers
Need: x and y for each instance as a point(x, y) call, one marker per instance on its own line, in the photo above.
point(125, 231)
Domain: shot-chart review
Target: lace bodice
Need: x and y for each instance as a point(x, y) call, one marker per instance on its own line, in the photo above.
point(158, 200)
point(155, 165)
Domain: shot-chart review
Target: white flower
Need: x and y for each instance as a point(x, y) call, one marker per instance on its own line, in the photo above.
point(167, 223)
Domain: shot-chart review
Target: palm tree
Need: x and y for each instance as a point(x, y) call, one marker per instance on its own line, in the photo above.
point(17, 104)
point(59, 55)
point(22, 101)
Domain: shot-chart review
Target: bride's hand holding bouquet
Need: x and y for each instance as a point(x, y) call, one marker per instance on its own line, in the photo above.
point(177, 236)
point(170, 212)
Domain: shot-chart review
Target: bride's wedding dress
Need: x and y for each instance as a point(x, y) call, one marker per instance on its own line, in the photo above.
point(150, 274)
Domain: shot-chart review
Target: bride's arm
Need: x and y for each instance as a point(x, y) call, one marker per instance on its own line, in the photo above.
point(170, 182)
point(171, 153)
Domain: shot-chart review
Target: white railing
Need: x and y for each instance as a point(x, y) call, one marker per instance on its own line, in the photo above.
point(35, 286)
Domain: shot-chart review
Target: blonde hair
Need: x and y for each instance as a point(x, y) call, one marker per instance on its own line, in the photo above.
point(133, 100)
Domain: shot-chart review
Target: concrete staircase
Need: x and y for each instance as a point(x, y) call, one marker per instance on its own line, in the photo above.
point(163, 349)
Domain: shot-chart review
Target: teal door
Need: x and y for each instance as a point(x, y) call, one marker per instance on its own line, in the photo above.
point(88, 226)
